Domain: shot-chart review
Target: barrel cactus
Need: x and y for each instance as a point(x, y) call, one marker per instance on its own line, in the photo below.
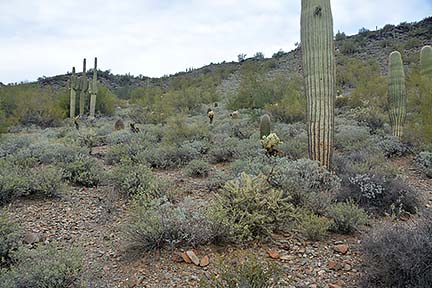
point(265, 124)
point(74, 85)
point(93, 90)
point(319, 71)
point(83, 85)
point(426, 61)
point(397, 99)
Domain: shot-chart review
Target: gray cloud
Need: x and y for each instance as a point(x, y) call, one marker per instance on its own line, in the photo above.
point(153, 38)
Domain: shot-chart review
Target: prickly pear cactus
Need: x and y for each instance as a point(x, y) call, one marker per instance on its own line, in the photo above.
point(397, 94)
point(83, 89)
point(320, 77)
point(426, 61)
point(93, 91)
point(265, 126)
point(73, 90)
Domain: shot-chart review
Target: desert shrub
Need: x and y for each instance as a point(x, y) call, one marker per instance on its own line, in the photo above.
point(9, 238)
point(351, 137)
point(11, 145)
point(424, 163)
point(135, 179)
point(295, 147)
point(313, 227)
point(159, 225)
point(380, 194)
point(198, 168)
point(84, 171)
point(224, 151)
point(168, 156)
point(392, 146)
point(45, 266)
point(18, 181)
point(216, 180)
point(368, 159)
point(252, 208)
point(347, 217)
point(132, 151)
point(307, 184)
point(178, 130)
point(251, 166)
point(249, 272)
point(399, 256)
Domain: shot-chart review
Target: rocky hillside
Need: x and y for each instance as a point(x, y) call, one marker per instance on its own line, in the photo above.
point(366, 45)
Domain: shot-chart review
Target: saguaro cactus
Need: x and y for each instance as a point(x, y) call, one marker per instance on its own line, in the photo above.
point(265, 124)
point(83, 89)
point(73, 89)
point(426, 92)
point(93, 90)
point(426, 61)
point(397, 94)
point(320, 77)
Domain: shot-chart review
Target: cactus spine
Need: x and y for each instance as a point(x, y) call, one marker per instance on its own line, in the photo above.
point(73, 89)
point(396, 94)
point(265, 124)
point(83, 89)
point(320, 77)
point(93, 90)
point(426, 61)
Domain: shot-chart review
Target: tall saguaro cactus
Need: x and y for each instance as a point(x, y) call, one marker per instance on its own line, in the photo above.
point(397, 94)
point(83, 89)
point(93, 90)
point(73, 90)
point(426, 61)
point(319, 71)
point(426, 92)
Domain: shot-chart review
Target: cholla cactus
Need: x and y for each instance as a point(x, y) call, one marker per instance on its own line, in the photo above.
point(74, 85)
point(397, 93)
point(270, 142)
point(93, 89)
point(319, 69)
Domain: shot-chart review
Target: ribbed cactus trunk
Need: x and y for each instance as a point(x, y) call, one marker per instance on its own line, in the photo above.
point(93, 91)
point(397, 94)
point(83, 89)
point(265, 126)
point(426, 61)
point(73, 90)
point(426, 92)
point(319, 71)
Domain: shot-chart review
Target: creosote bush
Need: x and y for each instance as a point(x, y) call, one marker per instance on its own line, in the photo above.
point(159, 224)
point(247, 273)
point(9, 238)
point(347, 217)
point(198, 168)
point(252, 208)
point(424, 163)
point(45, 266)
point(399, 256)
point(313, 227)
point(84, 171)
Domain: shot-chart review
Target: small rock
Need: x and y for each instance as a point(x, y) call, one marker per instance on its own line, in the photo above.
point(31, 238)
point(186, 258)
point(193, 257)
point(273, 253)
point(204, 261)
point(334, 286)
point(177, 257)
point(341, 248)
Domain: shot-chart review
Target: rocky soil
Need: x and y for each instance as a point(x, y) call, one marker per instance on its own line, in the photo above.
point(93, 219)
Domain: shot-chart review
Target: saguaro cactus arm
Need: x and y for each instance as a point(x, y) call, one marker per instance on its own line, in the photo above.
point(73, 88)
point(320, 77)
point(93, 90)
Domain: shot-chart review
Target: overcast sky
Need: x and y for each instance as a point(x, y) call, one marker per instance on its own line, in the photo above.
point(157, 37)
